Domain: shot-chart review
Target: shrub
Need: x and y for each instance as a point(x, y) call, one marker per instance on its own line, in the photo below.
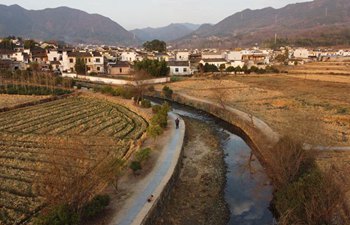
point(175, 78)
point(154, 131)
point(135, 166)
point(167, 92)
point(160, 119)
point(145, 103)
point(126, 92)
point(143, 154)
point(210, 68)
point(154, 68)
point(30, 90)
point(95, 206)
point(313, 199)
point(230, 69)
point(156, 108)
point(342, 111)
point(61, 215)
point(108, 90)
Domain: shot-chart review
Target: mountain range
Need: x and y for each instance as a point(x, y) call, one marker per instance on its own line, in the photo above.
point(64, 24)
point(168, 33)
point(320, 22)
point(315, 23)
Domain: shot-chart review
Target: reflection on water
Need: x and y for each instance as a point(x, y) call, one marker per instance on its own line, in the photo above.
point(247, 191)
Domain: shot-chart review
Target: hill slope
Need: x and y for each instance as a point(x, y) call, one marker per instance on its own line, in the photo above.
point(63, 23)
point(320, 21)
point(168, 33)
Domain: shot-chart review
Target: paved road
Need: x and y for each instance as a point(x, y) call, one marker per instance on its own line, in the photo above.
point(134, 211)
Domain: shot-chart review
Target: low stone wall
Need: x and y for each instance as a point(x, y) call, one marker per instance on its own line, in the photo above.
point(113, 81)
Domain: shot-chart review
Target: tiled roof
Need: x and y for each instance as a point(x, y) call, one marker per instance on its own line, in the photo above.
point(96, 54)
point(120, 64)
point(178, 63)
point(79, 54)
point(6, 52)
point(214, 60)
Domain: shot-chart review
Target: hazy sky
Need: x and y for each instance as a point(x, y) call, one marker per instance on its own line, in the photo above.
point(154, 13)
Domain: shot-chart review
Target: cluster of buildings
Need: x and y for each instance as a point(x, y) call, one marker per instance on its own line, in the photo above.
point(116, 61)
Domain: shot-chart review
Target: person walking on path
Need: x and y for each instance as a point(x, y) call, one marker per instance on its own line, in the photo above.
point(177, 122)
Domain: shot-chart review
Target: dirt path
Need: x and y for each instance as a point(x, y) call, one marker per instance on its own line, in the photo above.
point(198, 195)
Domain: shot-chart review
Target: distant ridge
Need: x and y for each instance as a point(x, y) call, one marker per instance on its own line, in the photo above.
point(168, 33)
point(317, 22)
point(62, 23)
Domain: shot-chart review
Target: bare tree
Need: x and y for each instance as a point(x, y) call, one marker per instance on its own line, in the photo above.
point(76, 171)
point(220, 94)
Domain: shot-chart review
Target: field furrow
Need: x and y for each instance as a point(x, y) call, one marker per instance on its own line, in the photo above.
point(87, 131)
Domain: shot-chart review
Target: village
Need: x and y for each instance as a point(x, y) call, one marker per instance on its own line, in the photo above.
point(118, 62)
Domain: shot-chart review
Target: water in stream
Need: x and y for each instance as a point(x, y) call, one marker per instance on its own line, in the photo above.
point(247, 192)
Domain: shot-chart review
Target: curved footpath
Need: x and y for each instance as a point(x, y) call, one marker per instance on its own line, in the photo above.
point(137, 210)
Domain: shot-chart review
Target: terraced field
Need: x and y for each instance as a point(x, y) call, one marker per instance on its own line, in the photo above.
point(29, 136)
point(12, 100)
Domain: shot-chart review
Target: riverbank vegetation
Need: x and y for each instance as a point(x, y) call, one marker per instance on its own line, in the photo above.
point(304, 194)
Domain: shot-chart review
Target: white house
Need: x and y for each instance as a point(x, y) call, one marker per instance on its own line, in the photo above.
point(54, 55)
point(236, 63)
point(97, 64)
point(20, 57)
point(234, 56)
point(130, 56)
point(301, 53)
point(182, 56)
point(344, 53)
point(6, 54)
point(180, 68)
point(213, 55)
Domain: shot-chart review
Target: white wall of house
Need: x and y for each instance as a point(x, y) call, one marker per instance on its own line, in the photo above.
point(234, 56)
point(129, 56)
point(213, 55)
point(182, 56)
point(98, 64)
point(19, 57)
point(54, 55)
point(345, 53)
point(237, 63)
point(116, 81)
point(67, 62)
point(301, 53)
point(6, 56)
point(180, 70)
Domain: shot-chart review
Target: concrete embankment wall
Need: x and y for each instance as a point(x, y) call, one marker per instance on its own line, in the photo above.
point(162, 193)
point(258, 135)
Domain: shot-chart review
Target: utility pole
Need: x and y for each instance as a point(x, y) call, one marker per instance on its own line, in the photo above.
point(275, 38)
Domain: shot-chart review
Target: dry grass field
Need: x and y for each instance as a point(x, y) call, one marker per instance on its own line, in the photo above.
point(315, 112)
point(312, 108)
point(12, 100)
point(72, 135)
